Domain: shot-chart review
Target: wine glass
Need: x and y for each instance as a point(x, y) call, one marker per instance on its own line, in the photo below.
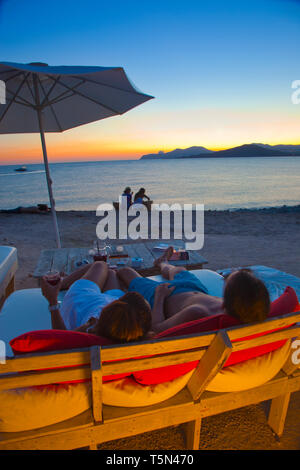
point(100, 251)
point(53, 277)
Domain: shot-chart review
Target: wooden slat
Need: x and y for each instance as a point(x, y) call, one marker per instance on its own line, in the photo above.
point(266, 339)
point(96, 374)
point(152, 362)
point(142, 251)
point(71, 257)
point(64, 259)
point(130, 250)
point(45, 360)
point(212, 361)
point(59, 259)
point(115, 353)
point(270, 324)
point(44, 263)
point(277, 414)
point(161, 346)
point(115, 413)
point(30, 379)
point(81, 421)
point(192, 434)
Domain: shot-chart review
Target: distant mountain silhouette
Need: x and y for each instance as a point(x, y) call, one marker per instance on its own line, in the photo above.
point(285, 148)
point(246, 150)
point(178, 153)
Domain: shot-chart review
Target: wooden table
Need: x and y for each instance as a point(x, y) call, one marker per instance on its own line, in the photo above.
point(64, 259)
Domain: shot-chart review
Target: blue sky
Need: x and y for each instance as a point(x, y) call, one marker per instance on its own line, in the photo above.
point(225, 62)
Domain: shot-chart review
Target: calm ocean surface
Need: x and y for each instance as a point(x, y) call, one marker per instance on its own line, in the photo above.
point(218, 183)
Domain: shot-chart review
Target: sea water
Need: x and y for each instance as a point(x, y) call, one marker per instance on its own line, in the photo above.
point(218, 183)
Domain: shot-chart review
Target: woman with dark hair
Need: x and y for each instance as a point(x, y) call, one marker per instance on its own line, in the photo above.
point(124, 320)
point(95, 304)
point(140, 195)
point(246, 297)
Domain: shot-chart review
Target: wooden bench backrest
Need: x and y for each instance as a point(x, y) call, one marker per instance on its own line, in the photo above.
point(211, 349)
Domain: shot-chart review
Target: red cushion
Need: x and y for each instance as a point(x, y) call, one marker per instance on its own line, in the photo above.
point(55, 340)
point(59, 340)
point(286, 303)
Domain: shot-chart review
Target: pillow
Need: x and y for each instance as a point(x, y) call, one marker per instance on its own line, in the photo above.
point(59, 340)
point(55, 340)
point(286, 303)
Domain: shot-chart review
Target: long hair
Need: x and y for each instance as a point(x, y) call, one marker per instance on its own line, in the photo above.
point(246, 297)
point(124, 320)
point(140, 193)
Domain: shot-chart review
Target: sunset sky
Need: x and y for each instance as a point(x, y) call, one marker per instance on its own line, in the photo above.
point(221, 72)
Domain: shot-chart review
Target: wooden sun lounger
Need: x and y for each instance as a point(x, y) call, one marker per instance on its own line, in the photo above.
point(105, 423)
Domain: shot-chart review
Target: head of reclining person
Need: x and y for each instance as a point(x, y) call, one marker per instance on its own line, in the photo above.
point(126, 319)
point(246, 297)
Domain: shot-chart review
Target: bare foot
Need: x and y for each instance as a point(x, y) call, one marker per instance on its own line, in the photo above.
point(164, 257)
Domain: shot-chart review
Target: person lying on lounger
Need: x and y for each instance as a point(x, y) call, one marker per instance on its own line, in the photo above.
point(149, 306)
point(94, 303)
point(184, 298)
point(38, 209)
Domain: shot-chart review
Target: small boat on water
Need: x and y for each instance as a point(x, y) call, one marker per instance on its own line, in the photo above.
point(21, 168)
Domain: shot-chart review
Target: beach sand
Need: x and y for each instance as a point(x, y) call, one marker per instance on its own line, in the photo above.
point(232, 239)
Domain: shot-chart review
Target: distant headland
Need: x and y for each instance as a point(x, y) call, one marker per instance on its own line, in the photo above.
point(246, 150)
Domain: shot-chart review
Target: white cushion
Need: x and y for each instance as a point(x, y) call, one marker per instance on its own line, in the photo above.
point(213, 281)
point(24, 310)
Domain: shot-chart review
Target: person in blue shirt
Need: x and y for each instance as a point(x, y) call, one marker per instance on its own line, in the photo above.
point(128, 194)
point(140, 195)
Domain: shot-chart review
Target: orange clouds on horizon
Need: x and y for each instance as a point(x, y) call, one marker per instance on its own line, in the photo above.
point(78, 153)
point(140, 133)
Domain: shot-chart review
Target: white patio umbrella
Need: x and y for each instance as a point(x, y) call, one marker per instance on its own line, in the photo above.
point(42, 98)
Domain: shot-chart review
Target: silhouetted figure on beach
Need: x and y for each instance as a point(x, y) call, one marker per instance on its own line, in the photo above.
point(39, 209)
point(128, 194)
point(140, 196)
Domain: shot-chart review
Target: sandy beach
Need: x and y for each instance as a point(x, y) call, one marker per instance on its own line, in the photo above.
point(232, 239)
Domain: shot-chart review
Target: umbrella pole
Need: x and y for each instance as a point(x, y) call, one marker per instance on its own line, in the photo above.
point(49, 181)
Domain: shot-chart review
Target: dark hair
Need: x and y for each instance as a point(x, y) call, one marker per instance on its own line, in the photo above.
point(127, 190)
point(246, 297)
point(140, 193)
point(126, 319)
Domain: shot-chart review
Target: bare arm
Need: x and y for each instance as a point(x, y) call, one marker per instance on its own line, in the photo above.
point(51, 293)
point(57, 321)
point(160, 323)
point(190, 313)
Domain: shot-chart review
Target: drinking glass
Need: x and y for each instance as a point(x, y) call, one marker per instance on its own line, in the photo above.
point(53, 277)
point(100, 251)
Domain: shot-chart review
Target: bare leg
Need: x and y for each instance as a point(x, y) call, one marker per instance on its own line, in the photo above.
point(126, 275)
point(97, 273)
point(68, 280)
point(167, 270)
point(112, 281)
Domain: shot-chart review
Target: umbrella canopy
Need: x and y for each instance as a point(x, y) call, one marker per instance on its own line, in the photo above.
point(42, 98)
